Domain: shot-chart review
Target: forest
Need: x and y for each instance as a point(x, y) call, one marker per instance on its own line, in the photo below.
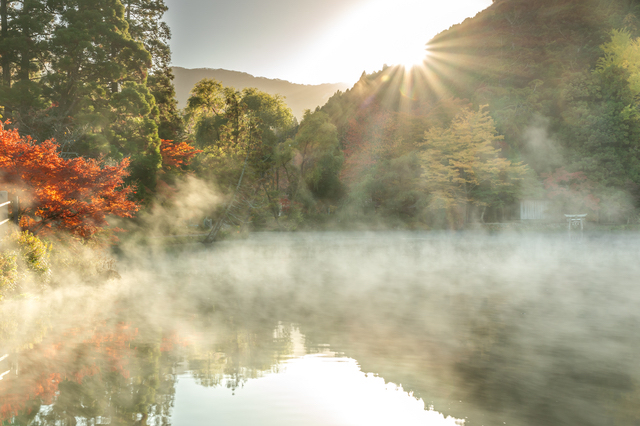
point(525, 101)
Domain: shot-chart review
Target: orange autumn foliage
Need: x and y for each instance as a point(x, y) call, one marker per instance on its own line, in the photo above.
point(74, 195)
point(368, 138)
point(176, 155)
point(101, 347)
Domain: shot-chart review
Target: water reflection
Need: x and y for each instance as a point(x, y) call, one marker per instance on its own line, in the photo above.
point(483, 329)
point(103, 372)
point(323, 388)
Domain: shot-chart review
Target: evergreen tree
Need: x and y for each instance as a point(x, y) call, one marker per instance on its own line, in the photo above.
point(78, 71)
point(145, 25)
point(26, 27)
point(100, 79)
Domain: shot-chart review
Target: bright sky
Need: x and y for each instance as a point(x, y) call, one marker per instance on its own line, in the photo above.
point(308, 41)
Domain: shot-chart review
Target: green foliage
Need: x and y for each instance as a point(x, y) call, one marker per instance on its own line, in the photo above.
point(206, 101)
point(25, 258)
point(8, 272)
point(601, 126)
point(169, 120)
point(381, 167)
point(33, 253)
point(244, 138)
point(463, 168)
point(317, 156)
point(559, 79)
point(95, 76)
point(622, 51)
point(145, 25)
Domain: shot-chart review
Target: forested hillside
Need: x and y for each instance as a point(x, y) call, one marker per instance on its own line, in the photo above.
point(559, 81)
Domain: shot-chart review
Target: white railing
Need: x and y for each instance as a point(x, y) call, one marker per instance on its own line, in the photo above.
point(2, 358)
point(4, 208)
point(6, 203)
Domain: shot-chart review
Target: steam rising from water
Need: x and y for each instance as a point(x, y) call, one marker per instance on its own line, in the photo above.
point(540, 147)
point(534, 329)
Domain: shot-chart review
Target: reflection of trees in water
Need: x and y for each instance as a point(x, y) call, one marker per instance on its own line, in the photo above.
point(499, 331)
point(488, 329)
point(101, 373)
point(540, 343)
point(488, 358)
point(239, 353)
point(124, 373)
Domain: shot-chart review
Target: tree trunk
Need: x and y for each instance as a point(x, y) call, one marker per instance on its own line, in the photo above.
point(274, 212)
point(6, 62)
point(25, 55)
point(214, 231)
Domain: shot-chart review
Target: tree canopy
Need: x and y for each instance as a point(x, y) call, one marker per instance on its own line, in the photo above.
point(75, 195)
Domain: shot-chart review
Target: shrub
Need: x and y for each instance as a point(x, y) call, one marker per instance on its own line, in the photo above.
point(25, 258)
point(8, 272)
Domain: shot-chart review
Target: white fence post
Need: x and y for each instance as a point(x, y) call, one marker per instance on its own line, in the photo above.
point(2, 372)
point(4, 211)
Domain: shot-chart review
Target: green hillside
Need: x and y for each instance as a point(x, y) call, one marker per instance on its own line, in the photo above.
point(561, 96)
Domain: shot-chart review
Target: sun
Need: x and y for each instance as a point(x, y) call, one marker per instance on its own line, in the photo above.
point(410, 55)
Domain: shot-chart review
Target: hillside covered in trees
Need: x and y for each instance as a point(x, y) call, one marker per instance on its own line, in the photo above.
point(549, 85)
point(525, 101)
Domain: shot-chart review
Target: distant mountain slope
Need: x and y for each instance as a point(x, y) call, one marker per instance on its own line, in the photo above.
point(513, 42)
point(298, 96)
point(523, 58)
point(560, 107)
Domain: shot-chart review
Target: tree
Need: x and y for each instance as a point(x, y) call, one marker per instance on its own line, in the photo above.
point(462, 167)
point(601, 123)
point(146, 25)
point(94, 95)
point(24, 48)
point(240, 134)
point(381, 167)
point(318, 156)
point(78, 71)
point(177, 156)
point(73, 195)
point(571, 192)
point(622, 51)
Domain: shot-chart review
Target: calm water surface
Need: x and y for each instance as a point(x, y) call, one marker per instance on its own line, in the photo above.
point(337, 329)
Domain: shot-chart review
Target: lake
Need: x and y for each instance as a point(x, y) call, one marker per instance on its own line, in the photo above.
point(337, 329)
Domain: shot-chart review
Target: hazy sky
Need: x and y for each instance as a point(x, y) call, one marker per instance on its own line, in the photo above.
point(305, 41)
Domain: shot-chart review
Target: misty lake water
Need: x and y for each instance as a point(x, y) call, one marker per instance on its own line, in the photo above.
point(337, 329)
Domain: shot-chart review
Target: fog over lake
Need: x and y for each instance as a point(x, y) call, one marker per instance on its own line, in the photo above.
point(337, 329)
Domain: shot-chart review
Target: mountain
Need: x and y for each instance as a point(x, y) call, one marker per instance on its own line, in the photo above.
point(298, 96)
point(559, 78)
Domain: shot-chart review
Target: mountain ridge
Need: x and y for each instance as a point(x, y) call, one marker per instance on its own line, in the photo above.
point(297, 96)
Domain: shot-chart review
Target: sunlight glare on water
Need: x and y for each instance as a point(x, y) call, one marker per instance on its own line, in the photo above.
point(313, 389)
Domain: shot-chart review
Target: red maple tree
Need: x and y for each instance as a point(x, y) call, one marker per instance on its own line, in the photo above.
point(572, 191)
point(176, 155)
point(74, 195)
point(368, 135)
point(44, 366)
